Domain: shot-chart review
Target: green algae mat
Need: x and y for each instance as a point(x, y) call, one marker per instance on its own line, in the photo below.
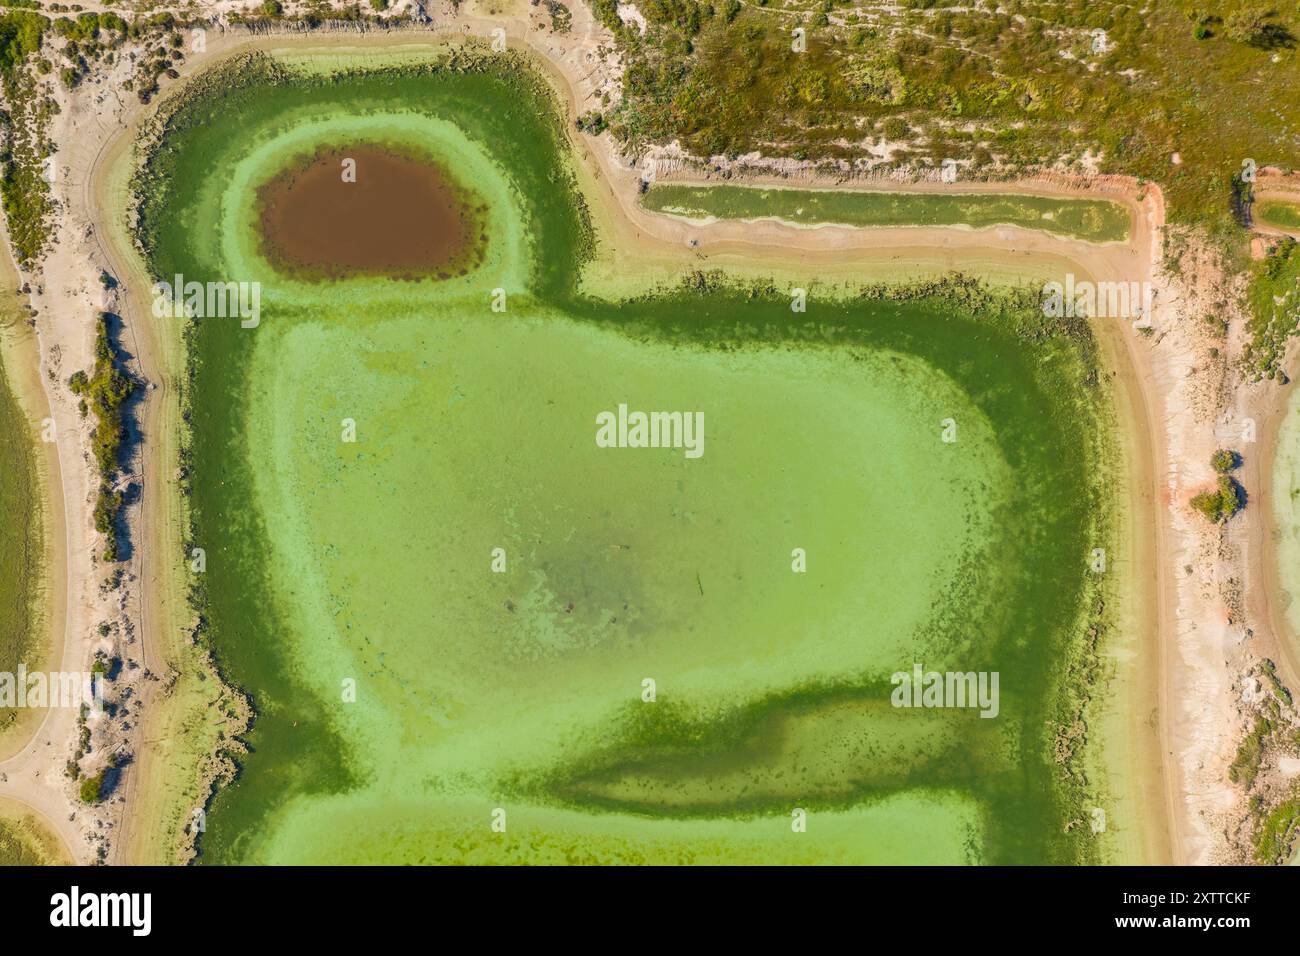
point(1095, 220)
point(487, 614)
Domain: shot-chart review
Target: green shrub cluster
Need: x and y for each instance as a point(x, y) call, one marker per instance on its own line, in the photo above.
point(106, 390)
point(1274, 300)
point(1245, 766)
point(1226, 498)
point(1276, 835)
point(24, 188)
point(92, 788)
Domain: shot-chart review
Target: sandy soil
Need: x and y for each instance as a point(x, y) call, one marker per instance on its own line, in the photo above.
point(1175, 667)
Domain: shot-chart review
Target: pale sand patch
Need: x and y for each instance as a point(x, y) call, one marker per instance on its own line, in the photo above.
point(31, 771)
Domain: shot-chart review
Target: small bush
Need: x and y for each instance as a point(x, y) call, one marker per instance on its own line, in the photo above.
point(1220, 504)
point(592, 122)
point(1224, 461)
point(91, 788)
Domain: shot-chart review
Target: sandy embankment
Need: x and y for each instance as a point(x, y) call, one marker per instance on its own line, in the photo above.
point(32, 771)
point(1148, 714)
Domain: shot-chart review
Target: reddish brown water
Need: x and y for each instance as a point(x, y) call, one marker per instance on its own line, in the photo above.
point(401, 217)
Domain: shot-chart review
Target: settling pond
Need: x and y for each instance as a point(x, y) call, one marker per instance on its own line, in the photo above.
point(445, 598)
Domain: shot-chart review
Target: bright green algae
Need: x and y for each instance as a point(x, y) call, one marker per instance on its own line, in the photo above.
point(330, 560)
point(1096, 220)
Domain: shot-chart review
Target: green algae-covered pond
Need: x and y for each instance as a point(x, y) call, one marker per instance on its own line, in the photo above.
point(472, 634)
point(1096, 220)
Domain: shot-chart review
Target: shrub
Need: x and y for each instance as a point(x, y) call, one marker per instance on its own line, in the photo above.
point(105, 389)
point(1224, 461)
point(92, 787)
point(592, 122)
point(1220, 504)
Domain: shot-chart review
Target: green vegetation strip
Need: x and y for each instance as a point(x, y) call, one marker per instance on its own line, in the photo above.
point(105, 391)
point(1096, 220)
point(1274, 300)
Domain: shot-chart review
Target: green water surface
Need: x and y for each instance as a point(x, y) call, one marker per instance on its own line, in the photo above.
point(1096, 220)
point(517, 696)
point(1279, 214)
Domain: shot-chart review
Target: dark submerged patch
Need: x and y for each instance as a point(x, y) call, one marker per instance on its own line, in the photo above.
point(401, 217)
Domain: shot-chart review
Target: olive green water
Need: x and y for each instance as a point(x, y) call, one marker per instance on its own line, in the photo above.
point(1286, 509)
point(1096, 220)
point(1279, 214)
point(21, 539)
point(341, 569)
point(27, 840)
